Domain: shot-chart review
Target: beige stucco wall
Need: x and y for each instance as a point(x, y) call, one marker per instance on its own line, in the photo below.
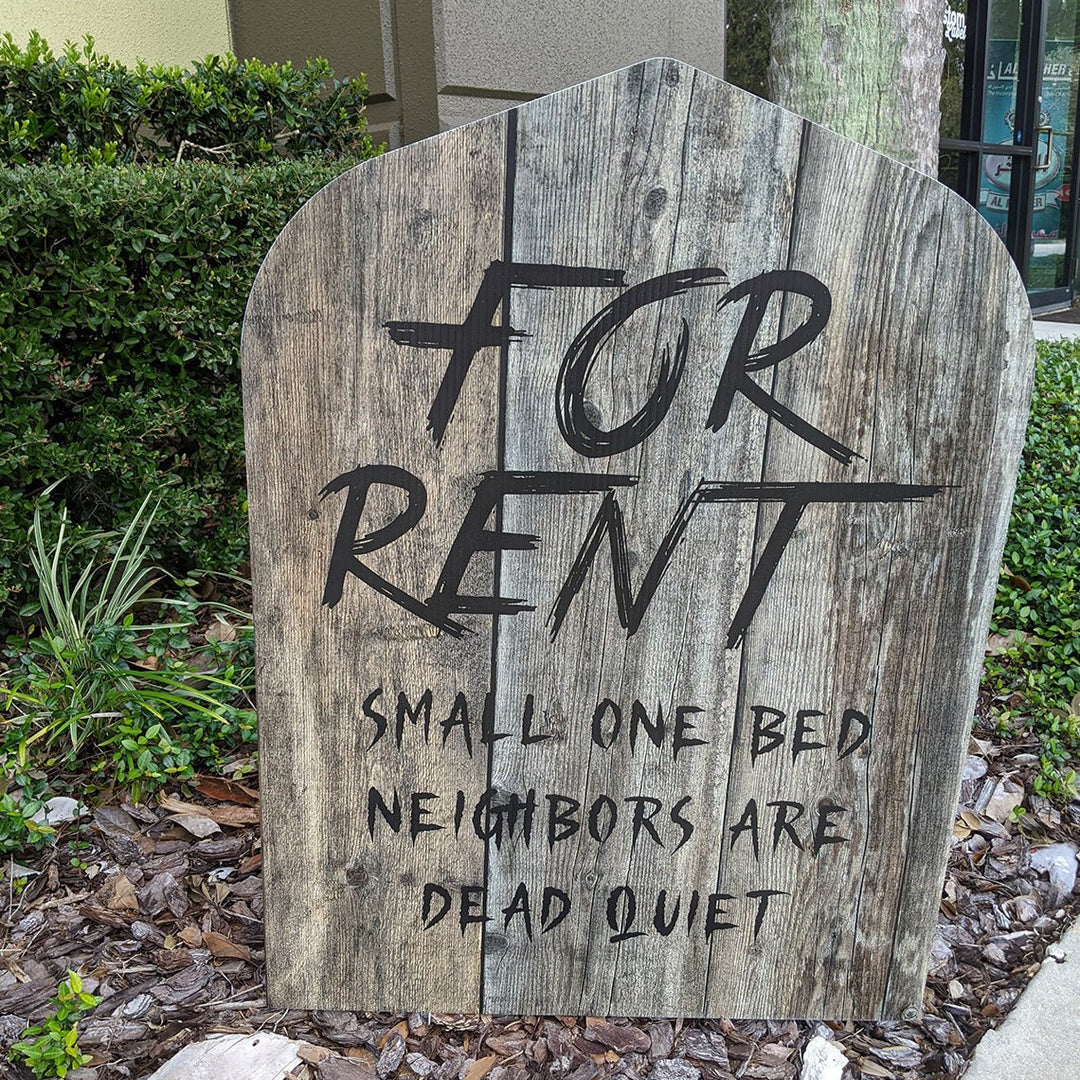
point(158, 31)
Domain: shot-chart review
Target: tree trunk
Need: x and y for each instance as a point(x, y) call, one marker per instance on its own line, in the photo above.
point(869, 69)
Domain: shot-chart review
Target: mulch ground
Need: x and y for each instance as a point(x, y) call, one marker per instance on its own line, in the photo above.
point(162, 913)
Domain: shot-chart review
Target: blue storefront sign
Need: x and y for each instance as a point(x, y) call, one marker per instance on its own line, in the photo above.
point(1051, 190)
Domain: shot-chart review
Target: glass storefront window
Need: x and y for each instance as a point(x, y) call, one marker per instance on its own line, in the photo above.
point(1008, 128)
point(1002, 69)
point(952, 73)
point(949, 168)
point(1054, 147)
point(995, 183)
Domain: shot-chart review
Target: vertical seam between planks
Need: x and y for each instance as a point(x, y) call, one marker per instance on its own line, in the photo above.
point(581, 859)
point(849, 992)
point(509, 178)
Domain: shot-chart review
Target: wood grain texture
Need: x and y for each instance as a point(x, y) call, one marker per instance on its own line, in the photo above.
point(805, 883)
point(686, 164)
point(326, 391)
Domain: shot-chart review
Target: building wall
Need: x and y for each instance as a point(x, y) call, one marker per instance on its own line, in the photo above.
point(492, 56)
point(431, 64)
point(434, 64)
point(158, 31)
point(353, 35)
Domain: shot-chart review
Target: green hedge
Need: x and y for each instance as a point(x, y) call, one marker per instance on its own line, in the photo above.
point(1033, 672)
point(122, 291)
point(124, 275)
point(80, 107)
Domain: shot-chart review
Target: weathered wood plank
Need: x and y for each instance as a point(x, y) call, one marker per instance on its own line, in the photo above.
point(328, 391)
point(855, 617)
point(649, 191)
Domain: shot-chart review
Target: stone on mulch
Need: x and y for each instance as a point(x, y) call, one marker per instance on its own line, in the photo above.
point(233, 1057)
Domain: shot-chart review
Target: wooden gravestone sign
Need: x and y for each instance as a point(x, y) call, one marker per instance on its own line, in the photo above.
point(628, 478)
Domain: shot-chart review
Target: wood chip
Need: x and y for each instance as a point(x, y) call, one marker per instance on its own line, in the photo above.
point(620, 1037)
point(480, 1068)
point(123, 895)
point(706, 1046)
point(197, 824)
point(337, 1068)
point(313, 1054)
point(220, 945)
point(872, 1068)
point(217, 787)
point(223, 815)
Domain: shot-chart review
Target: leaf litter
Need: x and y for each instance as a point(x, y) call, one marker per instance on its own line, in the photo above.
point(162, 913)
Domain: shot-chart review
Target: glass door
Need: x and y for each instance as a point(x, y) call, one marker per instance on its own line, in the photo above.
point(1009, 94)
point(1052, 257)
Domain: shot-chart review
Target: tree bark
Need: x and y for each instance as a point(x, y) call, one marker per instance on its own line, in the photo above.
point(869, 69)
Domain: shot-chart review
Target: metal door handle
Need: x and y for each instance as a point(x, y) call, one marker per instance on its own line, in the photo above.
point(1040, 165)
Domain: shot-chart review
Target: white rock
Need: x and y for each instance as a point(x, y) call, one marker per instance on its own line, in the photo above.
point(974, 768)
point(265, 1055)
point(1059, 862)
point(1058, 953)
point(822, 1060)
point(1005, 798)
point(59, 809)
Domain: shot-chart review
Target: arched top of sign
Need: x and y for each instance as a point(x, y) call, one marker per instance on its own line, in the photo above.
point(628, 477)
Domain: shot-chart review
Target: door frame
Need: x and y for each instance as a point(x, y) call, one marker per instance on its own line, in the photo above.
point(1023, 153)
